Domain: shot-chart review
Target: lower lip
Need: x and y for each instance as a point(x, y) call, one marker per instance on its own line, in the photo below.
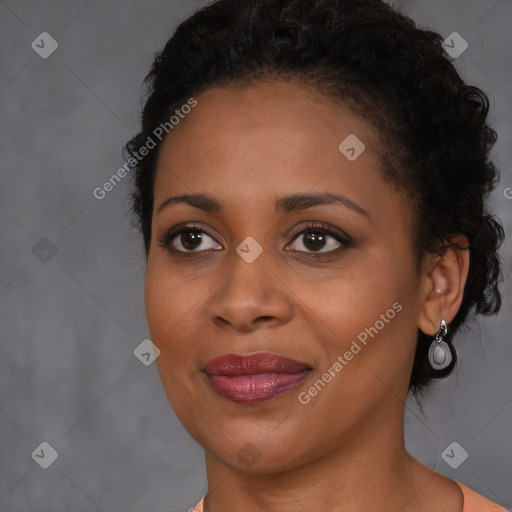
point(250, 389)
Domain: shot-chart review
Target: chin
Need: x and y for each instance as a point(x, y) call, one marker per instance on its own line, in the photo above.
point(254, 454)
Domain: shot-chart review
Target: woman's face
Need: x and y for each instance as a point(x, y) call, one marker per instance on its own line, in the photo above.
point(341, 300)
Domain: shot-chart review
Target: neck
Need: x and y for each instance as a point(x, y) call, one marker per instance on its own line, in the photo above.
point(370, 472)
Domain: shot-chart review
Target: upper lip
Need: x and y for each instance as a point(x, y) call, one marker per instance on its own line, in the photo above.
point(253, 364)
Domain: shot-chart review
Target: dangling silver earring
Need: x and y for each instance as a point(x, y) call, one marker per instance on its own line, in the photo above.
point(439, 353)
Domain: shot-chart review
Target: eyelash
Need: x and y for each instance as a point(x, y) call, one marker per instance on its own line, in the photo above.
point(315, 227)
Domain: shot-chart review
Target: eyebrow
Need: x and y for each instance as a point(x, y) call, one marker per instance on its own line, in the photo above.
point(289, 203)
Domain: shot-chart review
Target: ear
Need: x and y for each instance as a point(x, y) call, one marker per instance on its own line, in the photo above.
point(443, 285)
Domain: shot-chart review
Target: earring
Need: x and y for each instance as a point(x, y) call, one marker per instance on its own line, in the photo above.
point(440, 353)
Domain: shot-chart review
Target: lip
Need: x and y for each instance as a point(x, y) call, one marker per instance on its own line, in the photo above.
point(254, 378)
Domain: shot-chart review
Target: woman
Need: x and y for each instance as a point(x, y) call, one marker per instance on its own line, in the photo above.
point(310, 186)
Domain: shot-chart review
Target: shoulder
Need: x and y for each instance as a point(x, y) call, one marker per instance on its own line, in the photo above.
point(198, 507)
point(474, 502)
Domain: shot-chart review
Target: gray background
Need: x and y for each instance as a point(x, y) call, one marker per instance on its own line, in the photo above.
point(71, 319)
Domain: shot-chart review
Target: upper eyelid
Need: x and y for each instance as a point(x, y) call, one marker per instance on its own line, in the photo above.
point(321, 226)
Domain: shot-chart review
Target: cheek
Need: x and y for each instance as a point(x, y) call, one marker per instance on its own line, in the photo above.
point(370, 314)
point(167, 302)
point(356, 300)
point(167, 297)
point(170, 315)
point(176, 318)
point(158, 299)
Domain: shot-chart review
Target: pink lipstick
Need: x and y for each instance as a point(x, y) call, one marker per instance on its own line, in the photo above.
point(254, 378)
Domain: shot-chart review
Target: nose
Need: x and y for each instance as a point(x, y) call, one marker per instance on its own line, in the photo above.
point(250, 296)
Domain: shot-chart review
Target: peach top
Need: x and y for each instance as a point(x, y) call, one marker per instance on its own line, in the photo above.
point(473, 502)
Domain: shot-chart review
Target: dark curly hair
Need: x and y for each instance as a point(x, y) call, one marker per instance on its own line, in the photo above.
point(435, 140)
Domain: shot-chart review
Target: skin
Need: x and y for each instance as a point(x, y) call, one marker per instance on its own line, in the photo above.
point(245, 147)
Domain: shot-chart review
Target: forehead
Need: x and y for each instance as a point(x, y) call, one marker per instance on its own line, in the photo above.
point(284, 128)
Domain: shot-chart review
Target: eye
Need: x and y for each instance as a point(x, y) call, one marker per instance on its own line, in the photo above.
point(187, 239)
point(316, 236)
